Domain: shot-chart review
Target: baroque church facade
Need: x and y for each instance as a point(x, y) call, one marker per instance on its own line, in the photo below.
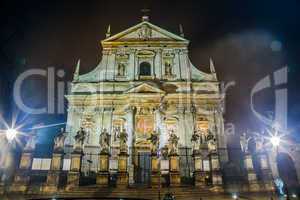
point(145, 83)
point(146, 116)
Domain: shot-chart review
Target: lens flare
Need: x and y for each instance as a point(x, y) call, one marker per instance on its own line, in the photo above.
point(11, 134)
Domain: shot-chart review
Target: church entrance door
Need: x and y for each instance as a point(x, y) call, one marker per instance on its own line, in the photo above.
point(143, 168)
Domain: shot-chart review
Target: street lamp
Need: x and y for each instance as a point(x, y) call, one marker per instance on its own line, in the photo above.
point(275, 141)
point(11, 134)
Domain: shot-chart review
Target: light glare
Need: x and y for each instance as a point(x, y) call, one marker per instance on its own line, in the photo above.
point(275, 141)
point(11, 134)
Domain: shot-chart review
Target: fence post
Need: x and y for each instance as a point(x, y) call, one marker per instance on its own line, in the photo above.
point(174, 170)
point(75, 170)
point(22, 177)
point(103, 173)
point(53, 175)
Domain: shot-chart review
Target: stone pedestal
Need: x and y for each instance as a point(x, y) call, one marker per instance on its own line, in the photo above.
point(103, 173)
point(199, 174)
point(217, 180)
point(53, 175)
point(266, 173)
point(22, 177)
point(74, 173)
point(174, 170)
point(122, 176)
point(251, 175)
point(155, 173)
point(2, 187)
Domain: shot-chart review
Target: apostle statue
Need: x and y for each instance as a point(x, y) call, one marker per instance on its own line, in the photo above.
point(173, 142)
point(116, 133)
point(59, 140)
point(79, 139)
point(259, 143)
point(154, 139)
point(244, 141)
point(123, 136)
point(31, 142)
point(195, 142)
point(211, 142)
point(104, 141)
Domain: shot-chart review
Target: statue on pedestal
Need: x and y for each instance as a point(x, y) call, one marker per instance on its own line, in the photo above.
point(79, 139)
point(123, 136)
point(259, 143)
point(154, 139)
point(195, 142)
point(31, 142)
point(59, 140)
point(173, 142)
point(211, 142)
point(244, 141)
point(104, 141)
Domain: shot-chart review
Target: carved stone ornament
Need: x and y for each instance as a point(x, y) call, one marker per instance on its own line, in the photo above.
point(145, 32)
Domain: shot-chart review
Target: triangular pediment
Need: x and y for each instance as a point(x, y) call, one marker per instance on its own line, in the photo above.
point(145, 88)
point(145, 31)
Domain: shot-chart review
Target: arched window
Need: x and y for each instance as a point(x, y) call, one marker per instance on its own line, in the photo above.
point(145, 69)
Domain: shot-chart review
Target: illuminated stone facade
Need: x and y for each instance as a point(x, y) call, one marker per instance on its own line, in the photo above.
point(145, 83)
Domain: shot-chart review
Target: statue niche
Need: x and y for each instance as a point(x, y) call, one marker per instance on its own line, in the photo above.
point(121, 69)
point(104, 141)
point(168, 68)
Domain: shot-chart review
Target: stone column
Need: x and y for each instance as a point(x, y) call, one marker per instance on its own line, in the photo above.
point(266, 173)
point(174, 170)
point(103, 173)
point(22, 177)
point(130, 130)
point(122, 176)
point(199, 174)
point(74, 173)
point(251, 175)
point(155, 173)
point(217, 180)
point(54, 172)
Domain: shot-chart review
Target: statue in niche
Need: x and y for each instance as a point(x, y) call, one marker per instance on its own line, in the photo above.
point(173, 142)
point(154, 139)
point(168, 68)
point(104, 141)
point(79, 139)
point(244, 141)
point(195, 142)
point(123, 136)
point(121, 69)
point(31, 142)
point(59, 140)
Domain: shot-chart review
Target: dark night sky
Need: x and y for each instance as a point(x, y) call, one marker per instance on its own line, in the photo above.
point(236, 34)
